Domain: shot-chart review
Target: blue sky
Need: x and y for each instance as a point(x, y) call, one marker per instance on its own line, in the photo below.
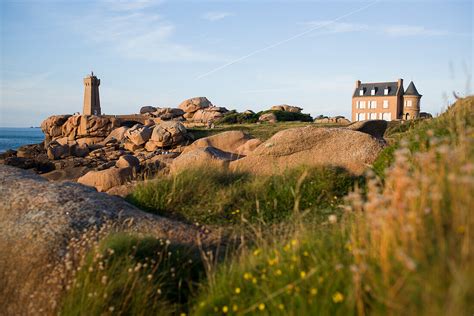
point(239, 54)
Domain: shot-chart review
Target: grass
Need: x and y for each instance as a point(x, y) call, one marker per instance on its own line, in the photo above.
point(212, 196)
point(133, 275)
point(399, 243)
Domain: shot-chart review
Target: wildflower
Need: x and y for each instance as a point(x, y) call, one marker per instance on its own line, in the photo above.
point(182, 314)
point(281, 306)
point(278, 272)
point(313, 291)
point(235, 308)
point(254, 280)
point(273, 261)
point(337, 297)
point(332, 219)
point(261, 306)
point(225, 309)
point(303, 274)
point(149, 277)
point(306, 254)
point(247, 276)
point(237, 290)
point(111, 308)
point(257, 252)
point(158, 291)
point(104, 279)
point(294, 242)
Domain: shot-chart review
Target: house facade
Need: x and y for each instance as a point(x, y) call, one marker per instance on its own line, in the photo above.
point(385, 101)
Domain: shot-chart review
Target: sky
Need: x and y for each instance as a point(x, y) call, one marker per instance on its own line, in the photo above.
point(239, 54)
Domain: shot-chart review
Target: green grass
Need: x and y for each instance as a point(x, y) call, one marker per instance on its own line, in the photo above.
point(133, 275)
point(223, 197)
point(402, 246)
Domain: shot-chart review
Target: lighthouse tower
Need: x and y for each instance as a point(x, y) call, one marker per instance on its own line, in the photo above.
point(91, 95)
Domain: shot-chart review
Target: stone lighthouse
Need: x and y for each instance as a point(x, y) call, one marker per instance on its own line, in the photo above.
point(91, 95)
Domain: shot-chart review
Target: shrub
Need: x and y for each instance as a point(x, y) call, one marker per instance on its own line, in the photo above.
point(238, 118)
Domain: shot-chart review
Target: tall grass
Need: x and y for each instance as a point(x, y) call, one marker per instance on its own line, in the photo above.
point(404, 247)
point(215, 196)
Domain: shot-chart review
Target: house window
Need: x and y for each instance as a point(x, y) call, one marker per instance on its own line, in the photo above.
point(408, 103)
point(361, 116)
point(385, 104)
point(361, 92)
point(385, 91)
point(372, 92)
point(372, 104)
point(387, 116)
point(373, 116)
point(362, 105)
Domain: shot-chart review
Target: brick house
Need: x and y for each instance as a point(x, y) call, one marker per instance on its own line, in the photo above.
point(385, 101)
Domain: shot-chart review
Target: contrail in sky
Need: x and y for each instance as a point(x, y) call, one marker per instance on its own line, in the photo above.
point(286, 40)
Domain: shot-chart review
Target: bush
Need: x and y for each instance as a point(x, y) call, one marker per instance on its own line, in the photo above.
point(238, 118)
point(217, 196)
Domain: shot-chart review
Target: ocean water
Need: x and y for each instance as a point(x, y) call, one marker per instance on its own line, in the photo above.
point(12, 137)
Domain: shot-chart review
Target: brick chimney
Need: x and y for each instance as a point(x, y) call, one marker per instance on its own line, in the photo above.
point(357, 84)
point(400, 82)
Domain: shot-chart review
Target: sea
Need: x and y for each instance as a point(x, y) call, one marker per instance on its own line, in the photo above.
point(14, 137)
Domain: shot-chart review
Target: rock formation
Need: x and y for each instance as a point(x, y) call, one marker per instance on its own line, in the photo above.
point(312, 146)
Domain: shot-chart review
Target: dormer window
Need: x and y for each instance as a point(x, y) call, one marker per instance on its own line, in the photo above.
point(385, 91)
point(372, 92)
point(361, 91)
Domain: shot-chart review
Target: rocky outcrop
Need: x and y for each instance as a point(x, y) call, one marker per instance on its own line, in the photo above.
point(138, 134)
point(209, 114)
point(52, 127)
point(268, 117)
point(104, 180)
point(32, 207)
point(208, 157)
point(332, 120)
point(286, 108)
point(147, 109)
point(194, 104)
point(167, 134)
point(167, 114)
point(312, 146)
point(375, 128)
point(231, 142)
point(118, 134)
point(128, 161)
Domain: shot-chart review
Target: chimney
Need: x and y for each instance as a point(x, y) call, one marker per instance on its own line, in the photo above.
point(357, 84)
point(400, 82)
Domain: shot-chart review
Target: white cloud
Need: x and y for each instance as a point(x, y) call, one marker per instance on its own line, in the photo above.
point(140, 34)
point(215, 16)
point(411, 30)
point(336, 27)
point(391, 30)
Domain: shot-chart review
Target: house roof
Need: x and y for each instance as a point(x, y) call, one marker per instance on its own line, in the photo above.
point(411, 90)
point(379, 89)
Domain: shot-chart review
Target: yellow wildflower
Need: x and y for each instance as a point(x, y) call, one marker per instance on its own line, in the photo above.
point(261, 306)
point(257, 252)
point(247, 276)
point(278, 272)
point(313, 291)
point(294, 242)
point(303, 274)
point(237, 290)
point(235, 308)
point(225, 309)
point(281, 306)
point(337, 297)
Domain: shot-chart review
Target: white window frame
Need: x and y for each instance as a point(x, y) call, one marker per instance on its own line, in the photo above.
point(360, 116)
point(362, 105)
point(385, 104)
point(409, 103)
point(372, 104)
point(387, 116)
point(361, 92)
point(372, 92)
point(385, 91)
